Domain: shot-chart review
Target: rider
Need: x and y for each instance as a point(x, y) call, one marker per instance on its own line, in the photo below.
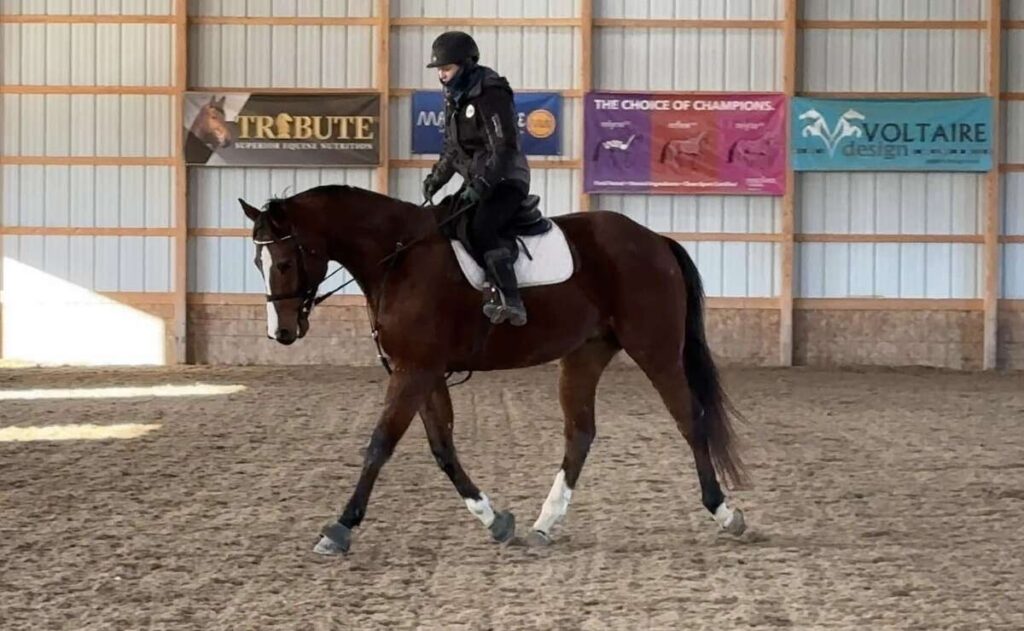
point(481, 143)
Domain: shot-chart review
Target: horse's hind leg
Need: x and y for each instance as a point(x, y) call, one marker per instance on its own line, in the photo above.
point(577, 388)
point(438, 420)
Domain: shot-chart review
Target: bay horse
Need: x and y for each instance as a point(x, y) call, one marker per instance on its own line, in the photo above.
point(211, 125)
point(632, 289)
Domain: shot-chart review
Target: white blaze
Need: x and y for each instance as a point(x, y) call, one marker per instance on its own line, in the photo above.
point(268, 262)
point(555, 506)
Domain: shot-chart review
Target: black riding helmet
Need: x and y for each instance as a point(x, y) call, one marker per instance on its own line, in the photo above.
point(453, 47)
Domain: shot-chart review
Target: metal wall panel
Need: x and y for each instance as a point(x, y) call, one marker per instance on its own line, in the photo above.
point(1013, 271)
point(893, 60)
point(279, 8)
point(890, 203)
point(1013, 138)
point(137, 264)
point(1013, 9)
point(87, 125)
point(87, 7)
point(87, 196)
point(486, 8)
point(1013, 52)
point(690, 9)
point(888, 270)
point(894, 9)
point(88, 54)
point(530, 57)
point(281, 56)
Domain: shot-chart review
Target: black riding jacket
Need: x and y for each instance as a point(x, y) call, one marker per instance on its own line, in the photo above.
point(481, 135)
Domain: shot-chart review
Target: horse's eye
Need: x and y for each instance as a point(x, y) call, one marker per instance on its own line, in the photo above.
point(284, 267)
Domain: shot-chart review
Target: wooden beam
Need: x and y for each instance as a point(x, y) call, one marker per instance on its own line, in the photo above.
point(269, 90)
point(720, 302)
point(586, 82)
point(477, 22)
point(904, 25)
point(1012, 96)
point(234, 20)
point(220, 232)
point(1011, 168)
point(688, 23)
point(86, 231)
point(1011, 25)
point(1011, 305)
point(886, 304)
point(91, 160)
point(992, 202)
point(789, 70)
point(87, 19)
point(384, 86)
point(139, 297)
point(888, 238)
point(178, 353)
point(89, 89)
point(1012, 238)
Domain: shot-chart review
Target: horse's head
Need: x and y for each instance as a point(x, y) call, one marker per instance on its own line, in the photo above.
point(293, 265)
point(211, 125)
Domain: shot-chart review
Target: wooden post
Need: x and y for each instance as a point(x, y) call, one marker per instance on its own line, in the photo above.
point(384, 86)
point(586, 82)
point(991, 295)
point(178, 351)
point(789, 71)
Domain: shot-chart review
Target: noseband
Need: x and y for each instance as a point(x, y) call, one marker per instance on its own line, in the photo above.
point(306, 292)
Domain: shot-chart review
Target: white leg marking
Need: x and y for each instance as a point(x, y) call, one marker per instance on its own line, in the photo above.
point(481, 508)
point(724, 515)
point(268, 262)
point(555, 506)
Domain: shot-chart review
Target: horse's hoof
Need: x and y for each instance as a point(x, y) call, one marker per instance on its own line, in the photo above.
point(335, 539)
point(737, 525)
point(503, 527)
point(538, 539)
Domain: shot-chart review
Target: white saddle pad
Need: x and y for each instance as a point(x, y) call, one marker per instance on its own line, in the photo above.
point(551, 264)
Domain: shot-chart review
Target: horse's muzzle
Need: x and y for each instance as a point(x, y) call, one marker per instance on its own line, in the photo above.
point(284, 336)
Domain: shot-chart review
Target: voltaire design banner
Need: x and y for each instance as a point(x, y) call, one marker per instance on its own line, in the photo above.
point(240, 129)
point(892, 135)
point(539, 113)
point(685, 143)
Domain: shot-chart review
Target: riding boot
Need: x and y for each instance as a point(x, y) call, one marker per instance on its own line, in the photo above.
point(507, 305)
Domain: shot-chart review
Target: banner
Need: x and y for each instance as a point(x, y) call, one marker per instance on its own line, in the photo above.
point(684, 143)
point(889, 135)
point(540, 117)
point(240, 129)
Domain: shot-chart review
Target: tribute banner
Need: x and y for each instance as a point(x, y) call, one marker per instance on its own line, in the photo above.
point(684, 143)
point(540, 116)
point(239, 129)
point(890, 135)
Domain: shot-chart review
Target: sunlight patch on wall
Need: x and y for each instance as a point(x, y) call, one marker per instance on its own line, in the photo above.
point(74, 432)
point(127, 392)
point(49, 320)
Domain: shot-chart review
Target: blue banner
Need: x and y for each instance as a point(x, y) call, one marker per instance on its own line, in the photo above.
point(540, 117)
point(890, 135)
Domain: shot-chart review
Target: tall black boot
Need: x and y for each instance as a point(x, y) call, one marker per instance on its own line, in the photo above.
point(509, 306)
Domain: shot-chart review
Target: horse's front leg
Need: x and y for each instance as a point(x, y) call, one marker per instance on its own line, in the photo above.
point(406, 393)
point(438, 420)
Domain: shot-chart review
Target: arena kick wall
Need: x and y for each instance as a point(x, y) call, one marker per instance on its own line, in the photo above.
point(886, 268)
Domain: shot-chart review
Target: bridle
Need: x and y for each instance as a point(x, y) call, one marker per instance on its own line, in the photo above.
point(306, 291)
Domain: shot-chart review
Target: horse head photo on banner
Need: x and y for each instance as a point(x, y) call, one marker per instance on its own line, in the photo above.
point(210, 125)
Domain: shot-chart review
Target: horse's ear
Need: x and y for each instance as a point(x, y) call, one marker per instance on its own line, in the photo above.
point(220, 102)
point(250, 211)
point(213, 99)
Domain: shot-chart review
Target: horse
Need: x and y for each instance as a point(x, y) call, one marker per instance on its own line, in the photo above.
point(210, 125)
point(631, 289)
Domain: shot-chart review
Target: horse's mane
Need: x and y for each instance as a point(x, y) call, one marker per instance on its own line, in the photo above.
point(278, 204)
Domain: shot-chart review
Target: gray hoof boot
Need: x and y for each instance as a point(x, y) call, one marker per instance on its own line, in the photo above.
point(737, 526)
point(335, 539)
point(538, 539)
point(503, 528)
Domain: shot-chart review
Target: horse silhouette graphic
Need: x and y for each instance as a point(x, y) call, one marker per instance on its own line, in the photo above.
point(818, 127)
point(615, 148)
point(686, 150)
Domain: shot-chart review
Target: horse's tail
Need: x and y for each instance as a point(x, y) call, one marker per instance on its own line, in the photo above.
point(712, 408)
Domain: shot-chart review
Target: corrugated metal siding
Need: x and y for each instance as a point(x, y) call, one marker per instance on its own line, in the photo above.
point(87, 7)
point(486, 8)
point(706, 59)
point(281, 56)
point(690, 9)
point(289, 8)
point(894, 9)
point(89, 125)
point(1013, 183)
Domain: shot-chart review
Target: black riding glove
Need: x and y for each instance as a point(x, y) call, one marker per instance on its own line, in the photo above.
point(430, 186)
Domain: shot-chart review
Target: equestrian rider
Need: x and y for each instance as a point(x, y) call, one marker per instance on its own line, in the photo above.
point(481, 143)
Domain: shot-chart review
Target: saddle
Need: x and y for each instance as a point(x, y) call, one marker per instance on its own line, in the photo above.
point(548, 259)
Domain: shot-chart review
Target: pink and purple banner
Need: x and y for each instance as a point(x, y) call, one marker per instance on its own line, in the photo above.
point(685, 143)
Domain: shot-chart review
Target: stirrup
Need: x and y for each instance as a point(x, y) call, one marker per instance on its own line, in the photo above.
point(497, 309)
